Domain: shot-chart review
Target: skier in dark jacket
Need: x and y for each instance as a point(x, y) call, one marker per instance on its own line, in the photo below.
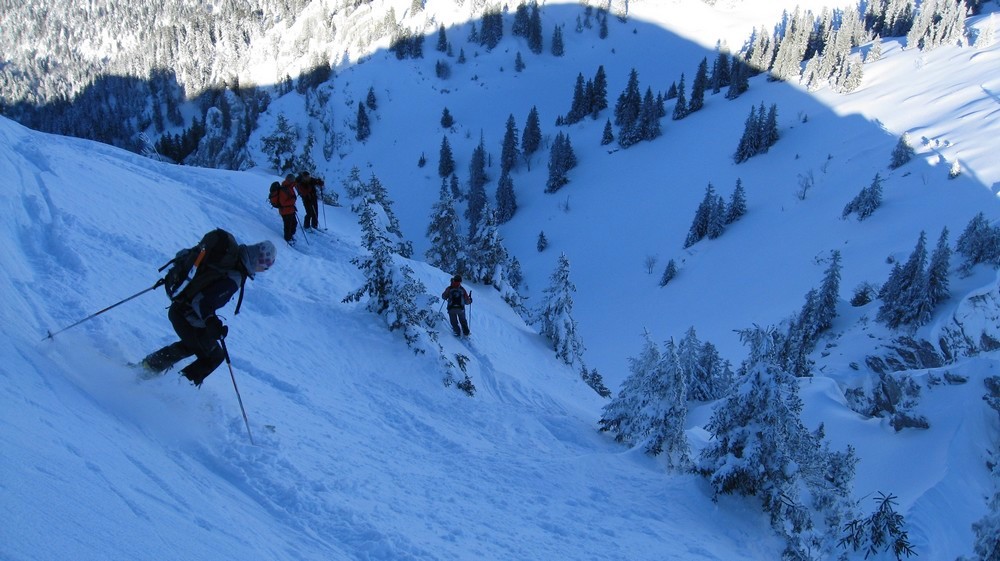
point(197, 324)
point(307, 186)
point(457, 298)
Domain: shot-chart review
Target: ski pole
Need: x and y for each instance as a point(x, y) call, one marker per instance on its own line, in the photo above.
point(470, 308)
point(229, 363)
point(92, 316)
point(304, 234)
point(326, 225)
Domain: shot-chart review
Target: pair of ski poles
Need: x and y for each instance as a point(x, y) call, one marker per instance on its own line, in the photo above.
point(222, 341)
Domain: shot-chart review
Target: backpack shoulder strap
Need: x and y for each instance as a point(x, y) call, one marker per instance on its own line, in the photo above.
point(239, 301)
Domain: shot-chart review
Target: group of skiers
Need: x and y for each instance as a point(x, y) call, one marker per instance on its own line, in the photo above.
point(205, 277)
point(283, 196)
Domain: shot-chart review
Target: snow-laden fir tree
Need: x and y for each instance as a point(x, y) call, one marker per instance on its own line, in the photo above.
point(627, 110)
point(362, 127)
point(558, 48)
point(599, 93)
point(442, 39)
point(904, 294)
point(649, 117)
point(829, 295)
point(580, 106)
point(720, 71)
point(757, 434)
point(707, 376)
point(375, 190)
point(488, 262)
point(555, 317)
point(669, 272)
point(542, 242)
point(681, 108)
point(447, 119)
point(739, 78)
point(866, 201)
point(353, 184)
point(737, 203)
point(508, 150)
point(986, 529)
point(937, 272)
point(477, 187)
point(651, 409)
point(446, 244)
point(531, 136)
point(506, 199)
point(279, 147)
point(698, 87)
point(902, 153)
point(702, 217)
point(561, 160)
point(883, 531)
point(717, 218)
point(390, 288)
point(522, 20)
point(608, 136)
point(938, 22)
point(979, 243)
point(535, 30)
point(446, 161)
point(760, 447)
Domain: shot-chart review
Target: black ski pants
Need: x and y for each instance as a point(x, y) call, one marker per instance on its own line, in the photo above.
point(193, 341)
point(289, 221)
point(311, 205)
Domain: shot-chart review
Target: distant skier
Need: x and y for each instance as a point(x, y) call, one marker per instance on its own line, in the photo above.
point(283, 199)
point(307, 186)
point(202, 280)
point(457, 298)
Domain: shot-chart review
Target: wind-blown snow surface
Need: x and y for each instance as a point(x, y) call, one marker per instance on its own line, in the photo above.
point(361, 452)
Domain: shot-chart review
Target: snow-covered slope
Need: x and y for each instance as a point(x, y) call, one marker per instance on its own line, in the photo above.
point(361, 452)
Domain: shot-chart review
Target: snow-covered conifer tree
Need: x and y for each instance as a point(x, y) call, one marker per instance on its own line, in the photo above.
point(651, 408)
point(702, 217)
point(937, 272)
point(760, 447)
point(902, 153)
point(531, 136)
point(362, 127)
point(506, 199)
point(508, 150)
point(391, 290)
point(542, 243)
point(829, 294)
point(558, 48)
point(698, 87)
point(904, 294)
point(866, 201)
point(716, 218)
point(555, 318)
point(445, 251)
point(599, 96)
point(737, 203)
point(681, 109)
point(446, 161)
point(669, 272)
point(979, 243)
point(561, 160)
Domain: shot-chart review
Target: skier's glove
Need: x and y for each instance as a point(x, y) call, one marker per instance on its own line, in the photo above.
point(215, 329)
